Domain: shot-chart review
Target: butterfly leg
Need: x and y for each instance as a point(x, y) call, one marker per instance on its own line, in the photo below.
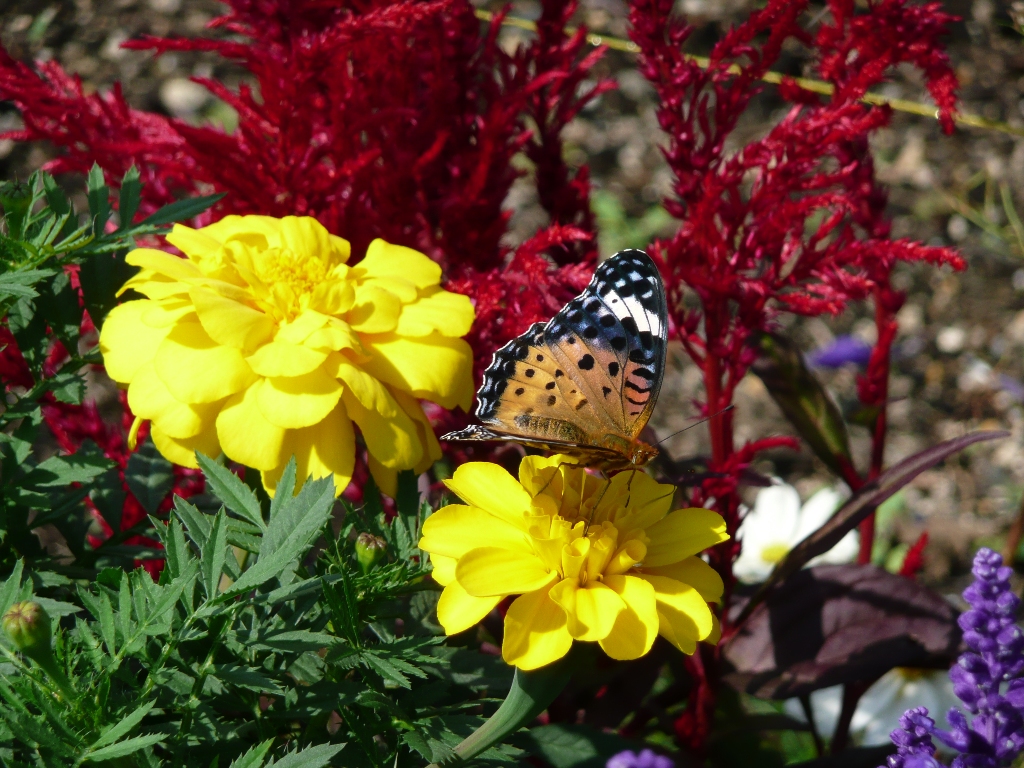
point(593, 509)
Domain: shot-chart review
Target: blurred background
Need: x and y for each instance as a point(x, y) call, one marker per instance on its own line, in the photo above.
point(959, 362)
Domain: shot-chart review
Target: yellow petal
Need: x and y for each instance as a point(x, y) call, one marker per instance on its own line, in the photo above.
point(326, 448)
point(684, 616)
point(696, 573)
point(375, 310)
point(154, 286)
point(198, 370)
point(386, 478)
point(367, 390)
point(245, 434)
point(150, 399)
point(282, 358)
point(306, 235)
point(393, 440)
point(127, 343)
point(333, 297)
point(450, 314)
point(457, 610)
point(454, 530)
point(164, 263)
point(637, 626)
point(591, 610)
point(196, 243)
point(434, 367)
point(535, 632)
point(297, 401)
point(334, 336)
point(444, 568)
point(683, 533)
point(425, 430)
point(230, 322)
point(300, 329)
point(490, 487)
point(384, 260)
point(183, 451)
point(538, 473)
point(649, 500)
point(489, 571)
point(167, 312)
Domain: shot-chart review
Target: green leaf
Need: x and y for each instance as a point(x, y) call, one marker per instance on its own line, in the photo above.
point(11, 587)
point(344, 609)
point(215, 553)
point(58, 302)
point(19, 284)
point(55, 197)
point(57, 471)
point(112, 733)
point(101, 277)
point(254, 757)
point(573, 746)
point(285, 489)
point(180, 210)
point(244, 677)
point(295, 640)
point(311, 757)
point(196, 523)
point(149, 475)
point(131, 192)
point(108, 495)
point(99, 199)
point(67, 387)
point(235, 494)
point(123, 748)
point(295, 544)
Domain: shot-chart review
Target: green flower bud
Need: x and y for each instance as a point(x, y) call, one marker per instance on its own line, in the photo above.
point(28, 626)
point(369, 549)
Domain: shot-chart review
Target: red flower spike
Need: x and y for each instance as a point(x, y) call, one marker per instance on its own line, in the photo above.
point(791, 222)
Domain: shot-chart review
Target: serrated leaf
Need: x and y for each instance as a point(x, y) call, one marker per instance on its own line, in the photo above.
point(124, 748)
point(80, 467)
point(101, 277)
point(295, 640)
point(131, 191)
point(254, 757)
point(19, 284)
point(112, 733)
point(99, 199)
point(311, 757)
point(11, 587)
point(298, 541)
point(150, 477)
point(196, 523)
point(67, 387)
point(244, 677)
point(228, 488)
point(181, 210)
point(214, 554)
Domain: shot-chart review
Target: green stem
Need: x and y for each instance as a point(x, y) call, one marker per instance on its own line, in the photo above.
point(531, 693)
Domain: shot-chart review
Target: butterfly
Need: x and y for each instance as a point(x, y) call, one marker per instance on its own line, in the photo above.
point(584, 383)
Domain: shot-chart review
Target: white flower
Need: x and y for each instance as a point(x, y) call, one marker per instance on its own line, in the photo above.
point(777, 523)
point(880, 708)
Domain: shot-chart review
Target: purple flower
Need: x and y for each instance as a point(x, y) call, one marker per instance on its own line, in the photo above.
point(646, 759)
point(994, 736)
point(843, 350)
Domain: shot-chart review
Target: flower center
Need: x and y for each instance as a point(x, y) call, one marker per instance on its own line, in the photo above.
point(300, 273)
point(773, 553)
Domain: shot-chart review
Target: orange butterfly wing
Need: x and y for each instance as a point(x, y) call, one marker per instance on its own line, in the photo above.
point(586, 382)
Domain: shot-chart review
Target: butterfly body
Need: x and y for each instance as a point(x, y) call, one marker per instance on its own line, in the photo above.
point(584, 383)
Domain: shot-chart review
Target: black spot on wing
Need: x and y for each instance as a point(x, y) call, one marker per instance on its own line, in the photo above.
point(502, 368)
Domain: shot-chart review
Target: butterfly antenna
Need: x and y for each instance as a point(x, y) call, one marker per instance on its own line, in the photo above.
point(696, 424)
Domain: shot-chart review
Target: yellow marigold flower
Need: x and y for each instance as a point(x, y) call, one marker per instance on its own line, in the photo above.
point(263, 343)
point(592, 559)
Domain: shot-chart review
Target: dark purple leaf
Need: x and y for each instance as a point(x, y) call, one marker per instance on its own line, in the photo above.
point(840, 624)
point(862, 504)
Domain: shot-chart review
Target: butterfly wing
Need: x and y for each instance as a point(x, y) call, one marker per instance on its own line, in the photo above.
point(593, 370)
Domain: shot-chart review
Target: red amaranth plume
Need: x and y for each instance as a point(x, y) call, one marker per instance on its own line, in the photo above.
point(396, 120)
point(791, 222)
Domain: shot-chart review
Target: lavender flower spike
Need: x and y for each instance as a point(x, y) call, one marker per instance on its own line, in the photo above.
point(646, 759)
point(843, 350)
point(988, 679)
